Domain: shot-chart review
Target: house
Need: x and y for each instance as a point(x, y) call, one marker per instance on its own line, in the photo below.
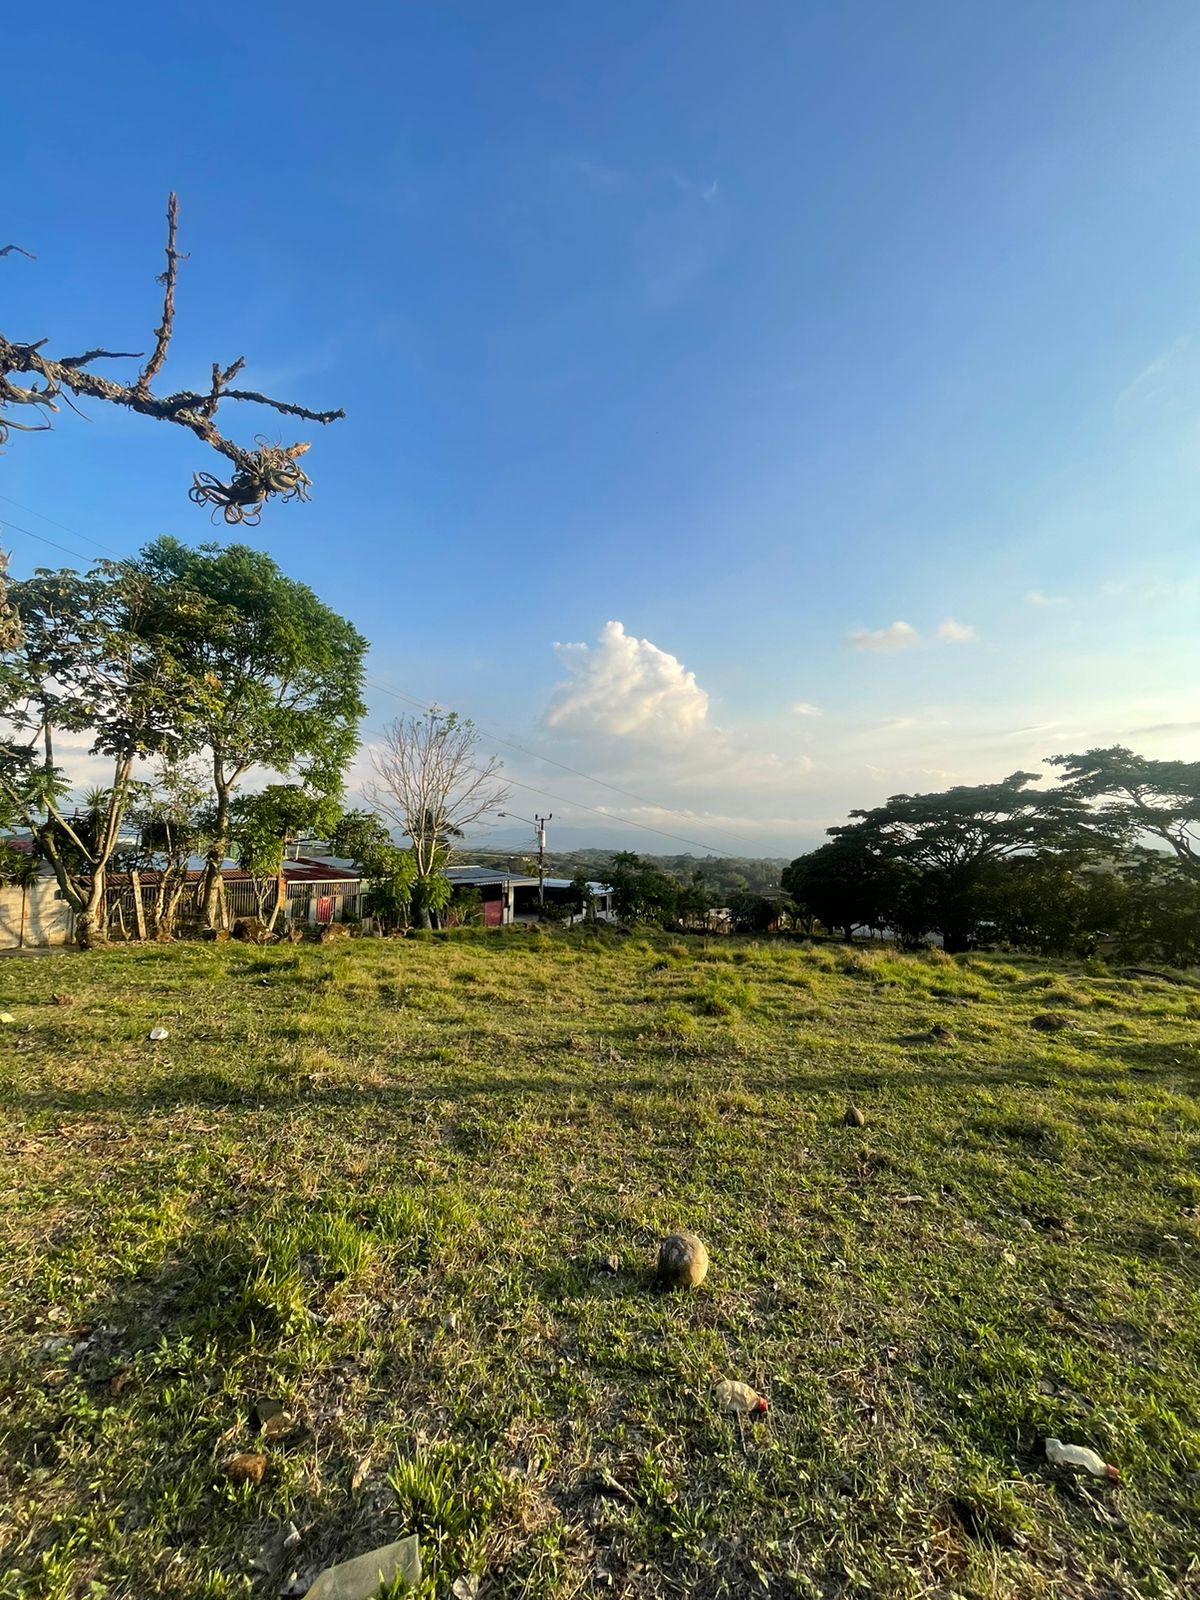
point(514, 897)
point(33, 913)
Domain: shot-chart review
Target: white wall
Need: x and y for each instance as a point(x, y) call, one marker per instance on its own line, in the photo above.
point(34, 916)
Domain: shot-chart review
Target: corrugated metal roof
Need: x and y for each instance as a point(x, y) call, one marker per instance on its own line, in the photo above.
point(479, 877)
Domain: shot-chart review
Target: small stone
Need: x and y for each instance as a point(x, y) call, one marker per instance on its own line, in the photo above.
point(854, 1118)
point(364, 1576)
point(609, 1263)
point(941, 1034)
point(1008, 1257)
point(246, 1467)
point(682, 1261)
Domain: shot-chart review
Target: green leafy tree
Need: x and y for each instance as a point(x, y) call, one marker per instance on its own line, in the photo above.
point(954, 839)
point(172, 817)
point(1128, 797)
point(640, 892)
point(90, 658)
point(847, 884)
point(388, 871)
point(265, 822)
point(275, 674)
point(1151, 910)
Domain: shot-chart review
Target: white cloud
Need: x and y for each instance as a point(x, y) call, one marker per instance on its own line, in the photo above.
point(1150, 381)
point(955, 632)
point(626, 687)
point(1036, 597)
point(804, 708)
point(897, 636)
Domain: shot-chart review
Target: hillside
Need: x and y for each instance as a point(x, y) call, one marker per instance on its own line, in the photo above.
point(725, 875)
point(376, 1185)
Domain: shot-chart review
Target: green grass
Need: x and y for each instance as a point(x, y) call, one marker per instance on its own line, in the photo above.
point(372, 1182)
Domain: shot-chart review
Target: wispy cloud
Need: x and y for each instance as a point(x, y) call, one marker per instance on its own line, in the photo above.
point(804, 708)
point(598, 175)
point(1152, 378)
point(701, 191)
point(951, 632)
point(896, 636)
point(1038, 597)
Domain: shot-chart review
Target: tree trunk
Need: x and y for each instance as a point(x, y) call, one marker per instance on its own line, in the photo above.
point(217, 850)
point(91, 926)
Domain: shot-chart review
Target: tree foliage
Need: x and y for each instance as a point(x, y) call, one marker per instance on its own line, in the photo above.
point(955, 838)
point(1130, 796)
point(90, 660)
point(274, 674)
point(388, 871)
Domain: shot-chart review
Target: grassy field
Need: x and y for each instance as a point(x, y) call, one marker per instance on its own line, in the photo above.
point(373, 1183)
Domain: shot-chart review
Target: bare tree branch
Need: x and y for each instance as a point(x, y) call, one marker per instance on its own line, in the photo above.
point(94, 355)
point(162, 334)
point(267, 470)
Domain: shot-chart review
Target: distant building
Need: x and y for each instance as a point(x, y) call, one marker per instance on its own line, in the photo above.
point(513, 897)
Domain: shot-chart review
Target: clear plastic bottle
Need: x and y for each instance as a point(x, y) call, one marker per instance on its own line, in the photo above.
point(1078, 1455)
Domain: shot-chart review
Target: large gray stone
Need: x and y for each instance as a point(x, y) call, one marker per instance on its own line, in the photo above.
point(364, 1576)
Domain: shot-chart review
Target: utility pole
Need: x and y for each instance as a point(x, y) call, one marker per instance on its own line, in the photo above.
point(540, 824)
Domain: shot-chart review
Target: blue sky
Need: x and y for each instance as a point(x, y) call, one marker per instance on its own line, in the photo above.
point(715, 339)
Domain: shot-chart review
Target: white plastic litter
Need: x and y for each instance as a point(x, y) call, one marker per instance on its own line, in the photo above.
point(7, 1016)
point(159, 1034)
point(734, 1396)
point(1078, 1455)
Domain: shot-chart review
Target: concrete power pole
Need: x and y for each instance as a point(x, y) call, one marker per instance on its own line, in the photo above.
point(540, 824)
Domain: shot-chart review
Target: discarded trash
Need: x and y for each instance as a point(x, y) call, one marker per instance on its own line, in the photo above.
point(7, 1016)
point(246, 1467)
point(854, 1117)
point(466, 1587)
point(273, 1419)
point(734, 1396)
point(1078, 1455)
point(682, 1261)
point(361, 1473)
point(609, 1263)
point(277, 1549)
point(362, 1578)
point(159, 1034)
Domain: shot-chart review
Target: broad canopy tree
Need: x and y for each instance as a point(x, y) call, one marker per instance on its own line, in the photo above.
point(954, 839)
point(275, 676)
point(1128, 796)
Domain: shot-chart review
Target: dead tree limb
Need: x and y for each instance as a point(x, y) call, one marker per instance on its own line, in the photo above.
point(258, 474)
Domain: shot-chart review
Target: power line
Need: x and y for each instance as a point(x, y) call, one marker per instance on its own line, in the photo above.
point(609, 816)
point(535, 755)
point(41, 538)
point(61, 526)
